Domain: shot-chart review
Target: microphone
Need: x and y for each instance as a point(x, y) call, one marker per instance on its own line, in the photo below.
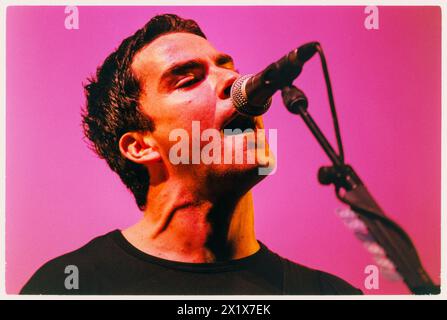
point(252, 94)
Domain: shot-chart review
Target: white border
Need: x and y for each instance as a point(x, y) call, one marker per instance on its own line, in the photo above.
point(5, 3)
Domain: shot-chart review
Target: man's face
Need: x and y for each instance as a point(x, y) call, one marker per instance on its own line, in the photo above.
point(186, 79)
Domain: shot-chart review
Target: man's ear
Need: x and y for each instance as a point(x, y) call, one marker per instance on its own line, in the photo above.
point(139, 148)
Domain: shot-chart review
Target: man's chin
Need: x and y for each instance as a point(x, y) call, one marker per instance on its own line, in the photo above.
point(240, 177)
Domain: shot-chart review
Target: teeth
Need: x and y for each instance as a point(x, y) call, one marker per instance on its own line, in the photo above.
point(231, 132)
point(242, 123)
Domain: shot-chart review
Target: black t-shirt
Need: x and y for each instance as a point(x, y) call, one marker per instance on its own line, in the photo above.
point(109, 264)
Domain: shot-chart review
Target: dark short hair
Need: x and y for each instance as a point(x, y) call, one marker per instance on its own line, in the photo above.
point(112, 106)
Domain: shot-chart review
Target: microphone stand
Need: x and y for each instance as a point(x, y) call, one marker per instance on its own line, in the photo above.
point(352, 191)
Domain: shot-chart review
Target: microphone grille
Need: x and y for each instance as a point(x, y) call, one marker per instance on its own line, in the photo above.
point(238, 95)
point(240, 101)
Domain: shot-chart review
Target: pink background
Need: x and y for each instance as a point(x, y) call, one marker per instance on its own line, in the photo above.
point(387, 86)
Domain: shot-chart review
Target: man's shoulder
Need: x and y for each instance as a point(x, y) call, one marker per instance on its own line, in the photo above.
point(61, 273)
point(299, 279)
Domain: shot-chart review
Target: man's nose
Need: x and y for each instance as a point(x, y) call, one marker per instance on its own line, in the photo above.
point(224, 85)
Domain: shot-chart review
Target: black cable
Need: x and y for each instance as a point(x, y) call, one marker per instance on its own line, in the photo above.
point(341, 153)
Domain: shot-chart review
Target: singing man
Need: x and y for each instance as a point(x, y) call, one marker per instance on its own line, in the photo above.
point(196, 234)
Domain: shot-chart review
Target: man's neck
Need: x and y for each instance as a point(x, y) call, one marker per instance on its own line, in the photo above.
point(181, 226)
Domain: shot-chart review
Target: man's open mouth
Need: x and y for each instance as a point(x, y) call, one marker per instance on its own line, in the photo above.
point(238, 125)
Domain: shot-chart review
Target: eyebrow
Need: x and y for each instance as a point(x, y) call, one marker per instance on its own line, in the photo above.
point(223, 58)
point(183, 67)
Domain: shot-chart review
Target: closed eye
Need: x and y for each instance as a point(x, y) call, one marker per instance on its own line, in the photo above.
point(187, 82)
